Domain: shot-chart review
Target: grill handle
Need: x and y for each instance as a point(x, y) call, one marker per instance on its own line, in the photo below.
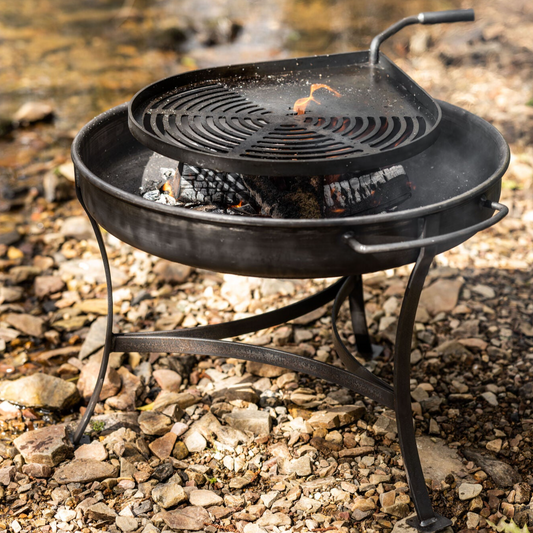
point(355, 245)
point(433, 17)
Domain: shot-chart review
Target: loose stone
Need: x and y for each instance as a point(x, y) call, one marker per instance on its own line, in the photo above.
point(468, 491)
point(191, 518)
point(84, 471)
point(48, 446)
point(204, 498)
point(169, 494)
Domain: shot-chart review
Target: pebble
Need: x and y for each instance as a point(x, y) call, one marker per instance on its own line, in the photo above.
point(441, 296)
point(37, 470)
point(78, 227)
point(95, 451)
point(172, 272)
point(45, 285)
point(191, 518)
point(169, 494)
point(167, 379)
point(301, 467)
point(31, 112)
point(101, 512)
point(336, 417)
point(204, 498)
point(48, 446)
point(257, 422)
point(89, 377)
point(274, 519)
point(28, 324)
point(7, 474)
point(468, 491)
point(95, 338)
point(194, 441)
point(490, 398)
point(130, 387)
point(127, 523)
point(163, 446)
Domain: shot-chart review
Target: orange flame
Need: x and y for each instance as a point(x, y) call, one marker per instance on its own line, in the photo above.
point(167, 188)
point(301, 104)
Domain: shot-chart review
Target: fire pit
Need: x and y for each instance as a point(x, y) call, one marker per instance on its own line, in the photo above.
point(455, 164)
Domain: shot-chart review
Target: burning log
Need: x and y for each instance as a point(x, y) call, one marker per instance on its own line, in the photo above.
point(347, 195)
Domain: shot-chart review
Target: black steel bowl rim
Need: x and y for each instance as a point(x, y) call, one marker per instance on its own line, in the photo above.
point(245, 221)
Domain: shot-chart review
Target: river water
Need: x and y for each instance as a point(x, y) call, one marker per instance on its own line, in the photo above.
point(86, 56)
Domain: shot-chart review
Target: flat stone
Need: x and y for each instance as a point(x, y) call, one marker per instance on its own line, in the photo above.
point(181, 399)
point(441, 296)
point(204, 498)
point(101, 512)
point(95, 338)
point(211, 429)
point(78, 227)
point(402, 526)
point(191, 518)
point(48, 446)
point(95, 451)
point(356, 452)
point(242, 481)
point(257, 422)
point(301, 466)
point(167, 379)
point(468, 491)
point(399, 510)
point(263, 370)
point(385, 424)
point(28, 324)
point(169, 494)
point(113, 421)
point(91, 270)
point(363, 504)
point(20, 274)
point(437, 459)
point(494, 445)
point(45, 285)
point(33, 112)
point(484, 290)
point(194, 441)
point(307, 504)
point(95, 306)
point(40, 390)
point(89, 377)
point(274, 519)
point(131, 386)
point(172, 272)
point(152, 423)
point(336, 417)
point(163, 446)
point(10, 294)
point(84, 471)
point(127, 523)
point(490, 398)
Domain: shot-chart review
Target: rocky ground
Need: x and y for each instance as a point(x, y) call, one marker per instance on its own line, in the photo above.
point(184, 443)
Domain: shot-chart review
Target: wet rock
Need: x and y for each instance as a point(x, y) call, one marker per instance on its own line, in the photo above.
point(191, 518)
point(48, 446)
point(28, 324)
point(101, 512)
point(257, 422)
point(163, 446)
point(441, 296)
point(95, 451)
point(78, 227)
point(154, 423)
point(167, 379)
point(131, 386)
point(169, 494)
point(336, 417)
point(89, 377)
point(204, 498)
point(172, 272)
point(40, 390)
point(45, 285)
point(468, 491)
point(95, 338)
point(84, 471)
point(31, 112)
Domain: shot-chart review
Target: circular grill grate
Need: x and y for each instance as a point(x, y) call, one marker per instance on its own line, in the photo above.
point(216, 120)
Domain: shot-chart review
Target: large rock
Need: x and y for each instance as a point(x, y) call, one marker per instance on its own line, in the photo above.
point(205, 498)
point(48, 446)
point(501, 473)
point(437, 459)
point(89, 377)
point(167, 379)
point(191, 518)
point(441, 296)
point(28, 324)
point(84, 471)
point(40, 390)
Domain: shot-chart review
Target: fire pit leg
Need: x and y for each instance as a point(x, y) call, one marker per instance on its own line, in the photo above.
point(109, 337)
point(360, 328)
point(427, 520)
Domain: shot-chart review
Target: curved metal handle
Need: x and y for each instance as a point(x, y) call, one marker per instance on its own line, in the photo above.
point(355, 245)
point(433, 17)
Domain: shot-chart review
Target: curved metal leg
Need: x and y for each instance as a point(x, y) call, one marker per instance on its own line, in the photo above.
point(427, 519)
point(108, 346)
point(357, 310)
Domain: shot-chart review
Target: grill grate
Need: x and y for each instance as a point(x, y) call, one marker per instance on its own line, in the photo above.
point(246, 124)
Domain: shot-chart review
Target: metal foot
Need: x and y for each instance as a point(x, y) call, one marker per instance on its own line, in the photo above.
point(437, 523)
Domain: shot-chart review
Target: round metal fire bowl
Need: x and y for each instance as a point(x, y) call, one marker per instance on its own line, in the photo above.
point(452, 181)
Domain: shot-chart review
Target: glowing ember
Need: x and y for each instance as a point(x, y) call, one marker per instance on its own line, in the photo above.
point(301, 104)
